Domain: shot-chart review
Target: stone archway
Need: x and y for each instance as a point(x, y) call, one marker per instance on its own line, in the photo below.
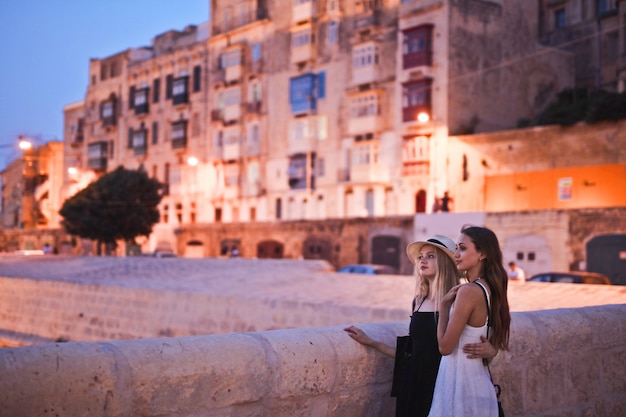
point(316, 248)
point(194, 249)
point(420, 201)
point(270, 249)
point(606, 255)
point(386, 250)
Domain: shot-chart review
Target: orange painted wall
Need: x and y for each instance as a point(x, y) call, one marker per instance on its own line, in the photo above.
point(591, 186)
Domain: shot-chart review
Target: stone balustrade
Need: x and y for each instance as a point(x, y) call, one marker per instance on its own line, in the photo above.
point(563, 362)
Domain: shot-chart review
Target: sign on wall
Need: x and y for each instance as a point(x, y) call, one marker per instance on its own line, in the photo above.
point(565, 188)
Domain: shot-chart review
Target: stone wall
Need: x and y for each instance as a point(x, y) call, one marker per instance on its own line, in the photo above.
point(561, 362)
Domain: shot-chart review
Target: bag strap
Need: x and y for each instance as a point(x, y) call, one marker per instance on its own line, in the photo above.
point(488, 306)
point(498, 389)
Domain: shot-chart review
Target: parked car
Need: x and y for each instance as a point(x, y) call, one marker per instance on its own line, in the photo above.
point(370, 269)
point(575, 277)
point(160, 254)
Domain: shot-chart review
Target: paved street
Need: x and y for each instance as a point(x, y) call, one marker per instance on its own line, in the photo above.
point(302, 281)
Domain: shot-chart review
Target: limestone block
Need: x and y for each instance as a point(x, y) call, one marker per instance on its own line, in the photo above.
point(183, 376)
point(72, 379)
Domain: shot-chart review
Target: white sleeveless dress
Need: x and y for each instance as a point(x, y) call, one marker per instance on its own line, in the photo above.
point(464, 387)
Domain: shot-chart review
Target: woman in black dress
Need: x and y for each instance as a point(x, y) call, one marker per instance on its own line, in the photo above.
point(436, 274)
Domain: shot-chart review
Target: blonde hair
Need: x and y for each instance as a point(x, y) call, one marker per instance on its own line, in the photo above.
point(446, 277)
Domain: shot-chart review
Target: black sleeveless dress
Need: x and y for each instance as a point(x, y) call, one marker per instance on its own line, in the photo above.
point(423, 365)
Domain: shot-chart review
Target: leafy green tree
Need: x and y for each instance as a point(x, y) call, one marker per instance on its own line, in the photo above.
point(573, 106)
point(121, 204)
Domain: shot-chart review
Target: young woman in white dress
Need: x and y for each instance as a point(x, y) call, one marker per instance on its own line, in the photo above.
point(464, 386)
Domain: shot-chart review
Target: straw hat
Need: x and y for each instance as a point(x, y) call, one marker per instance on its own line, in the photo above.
point(444, 243)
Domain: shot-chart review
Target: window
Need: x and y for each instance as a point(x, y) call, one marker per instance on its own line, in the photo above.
point(197, 74)
point(304, 90)
point(415, 99)
point(297, 172)
point(256, 52)
point(364, 155)
point(179, 90)
point(364, 106)
point(218, 138)
point(139, 100)
point(254, 144)
point(308, 128)
point(218, 214)
point(231, 58)
point(156, 89)
point(243, 14)
point(155, 132)
point(365, 56)
point(417, 48)
point(103, 71)
point(302, 37)
point(179, 134)
point(232, 97)
point(415, 155)
point(606, 6)
point(97, 155)
point(107, 112)
point(231, 174)
point(169, 82)
point(560, 18)
point(139, 141)
point(279, 208)
point(332, 32)
point(320, 167)
point(195, 125)
point(254, 96)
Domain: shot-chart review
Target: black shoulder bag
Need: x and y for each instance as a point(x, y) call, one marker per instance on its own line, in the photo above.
point(404, 351)
point(496, 386)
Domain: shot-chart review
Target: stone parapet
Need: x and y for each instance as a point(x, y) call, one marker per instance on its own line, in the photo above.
point(565, 362)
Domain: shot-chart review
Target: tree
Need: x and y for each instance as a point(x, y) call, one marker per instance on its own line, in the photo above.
point(121, 204)
point(573, 106)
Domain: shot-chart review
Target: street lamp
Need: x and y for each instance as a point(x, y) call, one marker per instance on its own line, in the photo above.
point(423, 117)
point(24, 144)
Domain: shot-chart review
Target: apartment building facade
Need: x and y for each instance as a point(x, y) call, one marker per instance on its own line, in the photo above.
point(31, 188)
point(595, 33)
point(307, 109)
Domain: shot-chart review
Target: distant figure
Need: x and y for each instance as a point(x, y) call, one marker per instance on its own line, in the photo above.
point(516, 273)
point(446, 202)
point(47, 250)
point(234, 253)
point(437, 205)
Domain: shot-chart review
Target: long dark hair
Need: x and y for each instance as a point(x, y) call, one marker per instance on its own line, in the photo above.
point(492, 270)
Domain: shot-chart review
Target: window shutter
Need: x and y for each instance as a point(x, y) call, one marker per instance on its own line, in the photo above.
point(321, 84)
point(169, 83)
point(197, 73)
point(130, 137)
point(131, 98)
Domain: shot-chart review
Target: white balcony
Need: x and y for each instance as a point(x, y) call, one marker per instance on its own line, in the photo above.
point(303, 11)
point(302, 53)
point(233, 73)
point(366, 124)
point(304, 134)
point(365, 167)
point(231, 151)
point(232, 112)
point(365, 75)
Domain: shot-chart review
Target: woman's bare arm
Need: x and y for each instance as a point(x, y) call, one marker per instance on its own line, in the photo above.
point(363, 338)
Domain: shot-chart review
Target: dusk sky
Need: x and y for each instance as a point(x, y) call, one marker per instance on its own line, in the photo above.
point(45, 47)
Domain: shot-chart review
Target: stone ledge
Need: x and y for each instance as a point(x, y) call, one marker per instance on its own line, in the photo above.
point(561, 362)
